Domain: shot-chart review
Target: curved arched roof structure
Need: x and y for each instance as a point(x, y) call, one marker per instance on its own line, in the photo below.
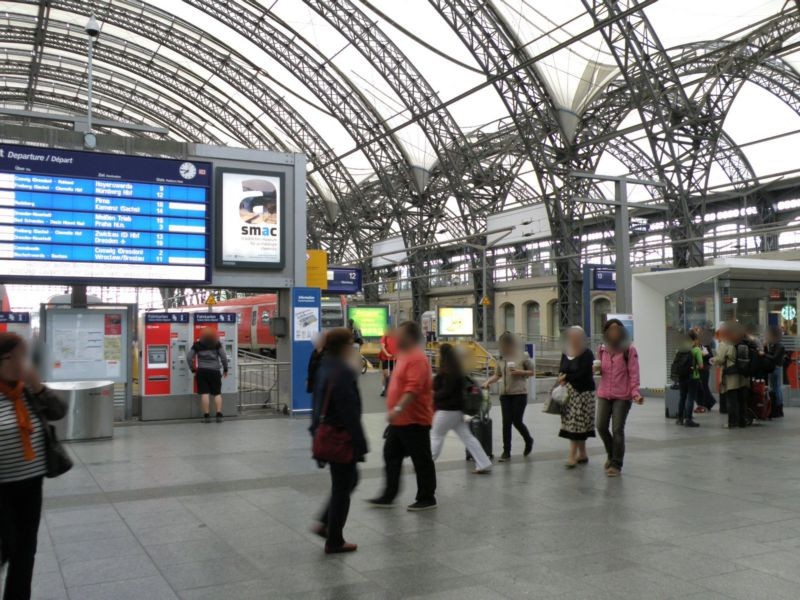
point(420, 118)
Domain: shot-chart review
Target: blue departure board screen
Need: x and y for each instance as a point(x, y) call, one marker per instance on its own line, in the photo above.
point(79, 216)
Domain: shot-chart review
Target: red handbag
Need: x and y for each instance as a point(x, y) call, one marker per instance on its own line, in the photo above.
point(331, 444)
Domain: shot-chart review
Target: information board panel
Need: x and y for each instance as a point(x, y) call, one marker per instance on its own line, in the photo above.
point(250, 219)
point(456, 321)
point(373, 321)
point(86, 344)
point(77, 216)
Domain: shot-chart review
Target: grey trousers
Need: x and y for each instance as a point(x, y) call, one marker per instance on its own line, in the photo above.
point(614, 413)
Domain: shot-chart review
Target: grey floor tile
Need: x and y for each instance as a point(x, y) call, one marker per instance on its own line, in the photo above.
point(70, 552)
point(198, 574)
point(108, 569)
point(189, 551)
point(48, 586)
point(749, 584)
point(150, 588)
point(183, 532)
point(256, 589)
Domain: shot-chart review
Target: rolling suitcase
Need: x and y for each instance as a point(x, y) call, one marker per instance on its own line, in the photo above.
point(672, 398)
point(481, 428)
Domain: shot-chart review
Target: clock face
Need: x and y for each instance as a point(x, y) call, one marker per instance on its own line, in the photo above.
point(187, 170)
point(90, 140)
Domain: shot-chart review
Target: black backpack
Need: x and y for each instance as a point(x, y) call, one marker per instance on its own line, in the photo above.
point(682, 365)
point(748, 362)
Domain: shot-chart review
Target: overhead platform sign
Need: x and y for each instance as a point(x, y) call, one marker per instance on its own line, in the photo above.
point(75, 216)
point(519, 225)
point(344, 280)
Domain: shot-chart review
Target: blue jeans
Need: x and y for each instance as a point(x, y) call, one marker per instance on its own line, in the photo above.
point(689, 389)
point(776, 385)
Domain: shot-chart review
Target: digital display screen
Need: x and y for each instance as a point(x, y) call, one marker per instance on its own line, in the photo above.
point(250, 219)
point(456, 321)
point(373, 321)
point(344, 281)
point(73, 216)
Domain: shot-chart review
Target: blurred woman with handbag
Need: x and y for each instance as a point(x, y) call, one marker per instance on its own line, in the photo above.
point(577, 414)
point(25, 408)
point(339, 439)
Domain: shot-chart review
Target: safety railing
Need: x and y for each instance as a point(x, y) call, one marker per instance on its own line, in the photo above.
point(260, 383)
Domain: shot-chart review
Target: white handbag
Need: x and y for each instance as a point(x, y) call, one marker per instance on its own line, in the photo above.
point(554, 405)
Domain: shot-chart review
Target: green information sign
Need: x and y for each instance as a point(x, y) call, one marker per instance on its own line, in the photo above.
point(373, 321)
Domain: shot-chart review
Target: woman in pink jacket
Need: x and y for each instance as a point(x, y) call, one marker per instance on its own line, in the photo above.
point(618, 367)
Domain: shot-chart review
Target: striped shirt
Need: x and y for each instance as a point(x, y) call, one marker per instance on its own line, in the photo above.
point(13, 466)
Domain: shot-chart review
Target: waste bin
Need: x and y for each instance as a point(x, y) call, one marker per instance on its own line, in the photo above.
point(90, 412)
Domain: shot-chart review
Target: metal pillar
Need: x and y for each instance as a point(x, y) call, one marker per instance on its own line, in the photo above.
point(622, 239)
point(485, 308)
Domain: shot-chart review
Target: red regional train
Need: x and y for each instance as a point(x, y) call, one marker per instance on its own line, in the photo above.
point(256, 313)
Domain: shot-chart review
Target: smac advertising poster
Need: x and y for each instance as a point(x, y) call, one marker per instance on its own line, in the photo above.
point(250, 219)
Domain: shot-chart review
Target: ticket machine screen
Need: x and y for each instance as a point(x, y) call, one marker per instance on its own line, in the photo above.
point(157, 357)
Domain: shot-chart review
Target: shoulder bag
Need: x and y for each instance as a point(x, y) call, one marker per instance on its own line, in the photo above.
point(57, 460)
point(554, 405)
point(331, 444)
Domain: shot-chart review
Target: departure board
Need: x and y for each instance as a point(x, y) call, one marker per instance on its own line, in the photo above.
point(86, 216)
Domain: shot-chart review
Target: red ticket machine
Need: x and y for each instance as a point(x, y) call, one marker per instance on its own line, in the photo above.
point(164, 344)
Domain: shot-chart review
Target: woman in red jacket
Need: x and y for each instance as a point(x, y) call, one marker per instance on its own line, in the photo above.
point(618, 367)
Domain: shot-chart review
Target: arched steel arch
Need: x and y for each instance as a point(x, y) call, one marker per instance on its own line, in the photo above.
point(683, 131)
point(496, 49)
point(173, 86)
point(386, 154)
point(243, 75)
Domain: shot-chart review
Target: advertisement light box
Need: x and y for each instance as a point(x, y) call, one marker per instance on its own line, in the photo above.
point(456, 321)
point(373, 321)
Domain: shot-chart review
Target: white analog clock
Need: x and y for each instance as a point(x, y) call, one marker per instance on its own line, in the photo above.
point(187, 170)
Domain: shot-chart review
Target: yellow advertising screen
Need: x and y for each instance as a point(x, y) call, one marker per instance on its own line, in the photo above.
point(456, 321)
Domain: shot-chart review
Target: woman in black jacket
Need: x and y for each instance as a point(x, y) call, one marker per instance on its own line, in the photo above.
point(577, 416)
point(338, 401)
point(448, 400)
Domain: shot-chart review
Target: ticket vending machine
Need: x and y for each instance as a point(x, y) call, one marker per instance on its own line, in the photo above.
point(227, 328)
point(16, 322)
point(165, 378)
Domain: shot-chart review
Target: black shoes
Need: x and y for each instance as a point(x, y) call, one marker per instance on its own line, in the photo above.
point(504, 457)
point(421, 505)
point(691, 423)
point(381, 503)
point(206, 418)
point(679, 421)
point(219, 417)
point(528, 447)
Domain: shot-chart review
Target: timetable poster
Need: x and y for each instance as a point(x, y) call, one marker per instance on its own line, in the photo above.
point(250, 219)
point(78, 216)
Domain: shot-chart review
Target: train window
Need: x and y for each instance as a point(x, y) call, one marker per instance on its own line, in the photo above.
point(253, 319)
point(265, 317)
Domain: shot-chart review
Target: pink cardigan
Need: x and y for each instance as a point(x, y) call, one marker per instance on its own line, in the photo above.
point(619, 379)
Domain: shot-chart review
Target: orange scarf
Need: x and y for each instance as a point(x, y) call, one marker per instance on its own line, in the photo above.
point(16, 395)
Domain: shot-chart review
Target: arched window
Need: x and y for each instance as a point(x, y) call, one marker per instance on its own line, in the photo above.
point(509, 316)
point(532, 318)
point(600, 308)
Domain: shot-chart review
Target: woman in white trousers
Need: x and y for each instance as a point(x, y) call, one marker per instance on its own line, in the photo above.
point(448, 399)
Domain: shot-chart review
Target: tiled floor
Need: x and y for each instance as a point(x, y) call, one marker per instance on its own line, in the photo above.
point(213, 511)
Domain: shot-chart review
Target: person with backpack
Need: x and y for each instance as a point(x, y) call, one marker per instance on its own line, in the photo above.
point(618, 367)
point(733, 357)
point(577, 414)
point(687, 365)
point(513, 369)
point(210, 356)
point(775, 352)
point(449, 389)
point(705, 398)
